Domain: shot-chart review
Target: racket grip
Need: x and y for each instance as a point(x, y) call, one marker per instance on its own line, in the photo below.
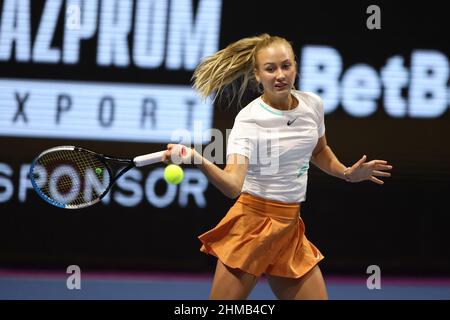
point(147, 159)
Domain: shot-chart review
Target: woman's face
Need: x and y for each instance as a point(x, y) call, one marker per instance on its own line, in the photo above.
point(276, 69)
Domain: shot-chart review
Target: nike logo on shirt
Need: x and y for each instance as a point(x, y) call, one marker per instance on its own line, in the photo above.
point(291, 121)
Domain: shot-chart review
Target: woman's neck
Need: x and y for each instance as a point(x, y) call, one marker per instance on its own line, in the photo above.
point(286, 103)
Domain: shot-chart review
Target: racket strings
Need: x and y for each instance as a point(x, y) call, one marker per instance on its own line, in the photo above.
point(72, 177)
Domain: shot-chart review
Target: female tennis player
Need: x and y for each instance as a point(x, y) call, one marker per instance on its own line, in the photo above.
point(263, 232)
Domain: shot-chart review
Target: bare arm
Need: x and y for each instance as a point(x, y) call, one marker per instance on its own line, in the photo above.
point(228, 180)
point(324, 158)
point(231, 178)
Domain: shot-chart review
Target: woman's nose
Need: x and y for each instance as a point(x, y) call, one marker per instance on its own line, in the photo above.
point(280, 74)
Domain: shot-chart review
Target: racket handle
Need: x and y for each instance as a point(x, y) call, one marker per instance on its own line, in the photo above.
point(147, 159)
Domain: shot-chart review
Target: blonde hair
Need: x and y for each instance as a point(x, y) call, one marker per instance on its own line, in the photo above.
point(232, 67)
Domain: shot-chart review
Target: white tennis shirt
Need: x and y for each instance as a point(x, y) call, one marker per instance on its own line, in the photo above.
point(279, 146)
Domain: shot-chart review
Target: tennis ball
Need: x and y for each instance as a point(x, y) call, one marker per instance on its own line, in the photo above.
point(173, 174)
point(98, 170)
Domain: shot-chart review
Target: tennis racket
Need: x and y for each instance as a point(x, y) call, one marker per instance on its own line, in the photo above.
point(72, 178)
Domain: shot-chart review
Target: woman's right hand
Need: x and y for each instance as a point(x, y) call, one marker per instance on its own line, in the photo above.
point(178, 154)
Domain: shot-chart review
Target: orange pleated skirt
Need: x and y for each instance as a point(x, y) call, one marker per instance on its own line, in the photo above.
point(262, 236)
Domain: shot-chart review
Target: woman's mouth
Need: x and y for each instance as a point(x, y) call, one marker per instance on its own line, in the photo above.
point(280, 86)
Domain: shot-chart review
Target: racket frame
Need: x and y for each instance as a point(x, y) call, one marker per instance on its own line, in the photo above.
point(129, 164)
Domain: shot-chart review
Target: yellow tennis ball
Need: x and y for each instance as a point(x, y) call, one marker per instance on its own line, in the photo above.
point(173, 174)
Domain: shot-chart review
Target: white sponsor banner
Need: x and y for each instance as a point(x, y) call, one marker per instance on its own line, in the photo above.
point(100, 111)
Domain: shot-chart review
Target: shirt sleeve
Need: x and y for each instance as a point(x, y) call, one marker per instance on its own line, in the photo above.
point(242, 138)
point(321, 124)
point(318, 108)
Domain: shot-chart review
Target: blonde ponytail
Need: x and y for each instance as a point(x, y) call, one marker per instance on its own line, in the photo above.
point(231, 67)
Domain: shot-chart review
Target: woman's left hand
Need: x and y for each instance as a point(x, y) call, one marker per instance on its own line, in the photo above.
point(362, 171)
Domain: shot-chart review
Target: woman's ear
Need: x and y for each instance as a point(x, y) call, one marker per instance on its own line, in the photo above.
point(255, 71)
